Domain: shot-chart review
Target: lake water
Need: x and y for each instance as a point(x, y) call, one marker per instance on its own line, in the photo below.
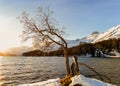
point(21, 70)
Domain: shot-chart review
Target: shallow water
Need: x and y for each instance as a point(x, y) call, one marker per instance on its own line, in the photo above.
point(105, 66)
point(20, 70)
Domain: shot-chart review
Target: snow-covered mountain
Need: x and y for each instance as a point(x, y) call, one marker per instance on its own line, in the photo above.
point(113, 32)
point(90, 38)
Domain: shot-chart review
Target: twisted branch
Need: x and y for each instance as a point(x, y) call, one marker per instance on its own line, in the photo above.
point(93, 69)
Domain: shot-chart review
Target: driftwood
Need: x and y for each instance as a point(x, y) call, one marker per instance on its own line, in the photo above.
point(75, 69)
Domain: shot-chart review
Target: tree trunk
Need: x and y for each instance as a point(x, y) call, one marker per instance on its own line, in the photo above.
point(67, 61)
point(76, 65)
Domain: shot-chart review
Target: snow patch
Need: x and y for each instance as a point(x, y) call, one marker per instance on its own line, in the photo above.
point(84, 81)
point(50, 82)
point(80, 79)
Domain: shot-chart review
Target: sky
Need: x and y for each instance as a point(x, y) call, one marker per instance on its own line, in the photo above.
point(80, 17)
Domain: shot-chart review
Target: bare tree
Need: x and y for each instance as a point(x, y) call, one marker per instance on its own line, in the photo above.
point(44, 28)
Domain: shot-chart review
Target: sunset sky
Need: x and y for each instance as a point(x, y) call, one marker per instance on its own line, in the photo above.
point(80, 17)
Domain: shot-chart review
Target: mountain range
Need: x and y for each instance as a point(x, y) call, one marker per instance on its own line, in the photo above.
point(113, 32)
point(95, 37)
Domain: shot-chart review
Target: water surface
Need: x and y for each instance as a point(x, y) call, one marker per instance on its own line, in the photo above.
point(20, 70)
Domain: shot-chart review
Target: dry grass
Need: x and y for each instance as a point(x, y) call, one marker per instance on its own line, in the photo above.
point(66, 81)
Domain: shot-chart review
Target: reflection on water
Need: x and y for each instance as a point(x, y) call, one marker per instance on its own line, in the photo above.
point(20, 70)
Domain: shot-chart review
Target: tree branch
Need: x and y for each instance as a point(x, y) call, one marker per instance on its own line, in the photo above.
point(92, 69)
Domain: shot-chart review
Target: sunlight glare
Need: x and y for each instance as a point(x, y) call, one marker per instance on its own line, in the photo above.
point(8, 33)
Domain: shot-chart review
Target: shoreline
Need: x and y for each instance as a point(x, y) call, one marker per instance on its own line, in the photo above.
point(79, 79)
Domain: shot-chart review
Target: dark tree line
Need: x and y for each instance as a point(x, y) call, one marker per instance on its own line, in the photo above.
point(81, 49)
point(108, 45)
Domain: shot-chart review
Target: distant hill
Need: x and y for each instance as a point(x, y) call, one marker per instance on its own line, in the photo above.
point(18, 50)
point(6, 54)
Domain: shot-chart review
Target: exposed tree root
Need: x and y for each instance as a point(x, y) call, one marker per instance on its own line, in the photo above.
point(66, 81)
